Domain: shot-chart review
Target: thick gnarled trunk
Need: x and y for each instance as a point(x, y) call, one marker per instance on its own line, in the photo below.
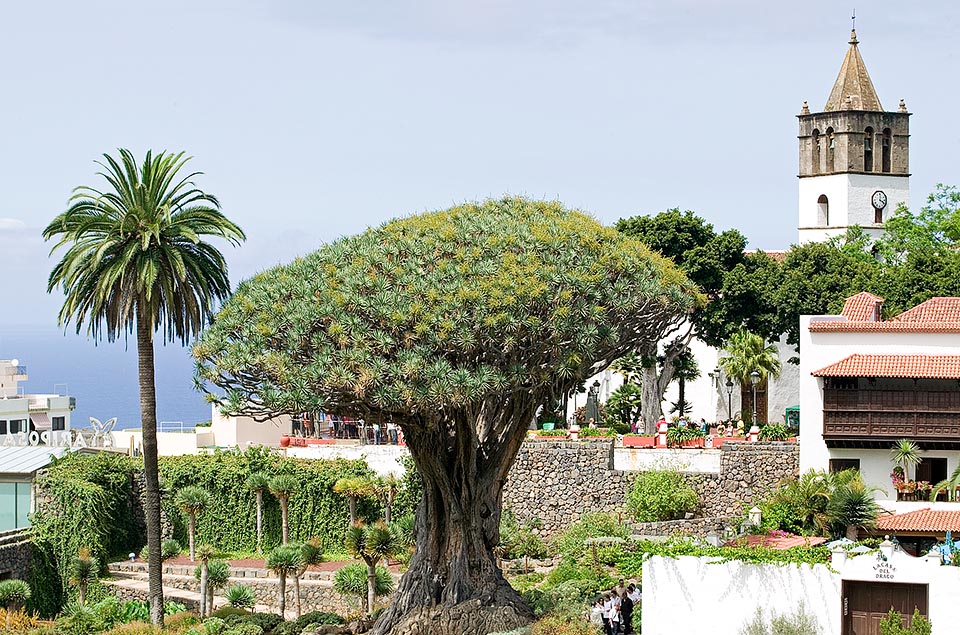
point(453, 585)
point(151, 475)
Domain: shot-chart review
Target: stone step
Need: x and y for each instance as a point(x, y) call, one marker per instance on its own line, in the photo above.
point(235, 572)
point(138, 586)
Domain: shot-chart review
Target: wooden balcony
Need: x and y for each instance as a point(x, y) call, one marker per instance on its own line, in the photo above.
point(874, 418)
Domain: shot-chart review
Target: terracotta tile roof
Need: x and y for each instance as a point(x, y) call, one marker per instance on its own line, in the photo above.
point(933, 310)
point(925, 519)
point(936, 315)
point(911, 366)
point(778, 255)
point(863, 307)
point(775, 541)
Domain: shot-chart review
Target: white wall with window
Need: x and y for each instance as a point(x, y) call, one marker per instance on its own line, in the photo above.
point(15, 504)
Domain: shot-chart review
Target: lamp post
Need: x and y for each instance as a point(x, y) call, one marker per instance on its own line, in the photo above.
point(754, 379)
point(729, 399)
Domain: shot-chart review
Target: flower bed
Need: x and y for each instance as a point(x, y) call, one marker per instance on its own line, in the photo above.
point(638, 441)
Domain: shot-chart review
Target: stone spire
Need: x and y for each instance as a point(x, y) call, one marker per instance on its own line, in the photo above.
point(853, 89)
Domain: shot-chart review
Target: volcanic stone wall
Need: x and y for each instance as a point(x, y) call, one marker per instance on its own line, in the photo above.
point(560, 481)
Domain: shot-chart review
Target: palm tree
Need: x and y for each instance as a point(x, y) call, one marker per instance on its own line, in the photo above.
point(285, 560)
point(354, 487)
point(135, 259)
point(386, 489)
point(258, 483)
point(852, 505)
point(950, 485)
point(748, 353)
point(372, 543)
point(906, 454)
point(83, 571)
point(205, 553)
point(310, 553)
point(218, 576)
point(283, 486)
point(192, 500)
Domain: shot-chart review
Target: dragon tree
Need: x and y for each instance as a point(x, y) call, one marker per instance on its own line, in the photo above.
point(458, 324)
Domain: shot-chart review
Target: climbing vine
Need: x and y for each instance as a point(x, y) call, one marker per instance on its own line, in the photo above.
point(229, 522)
point(91, 500)
point(83, 501)
point(630, 562)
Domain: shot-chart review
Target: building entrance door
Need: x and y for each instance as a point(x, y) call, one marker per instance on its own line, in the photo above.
point(866, 603)
point(746, 403)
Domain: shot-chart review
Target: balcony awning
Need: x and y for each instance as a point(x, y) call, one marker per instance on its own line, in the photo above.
point(41, 421)
point(901, 366)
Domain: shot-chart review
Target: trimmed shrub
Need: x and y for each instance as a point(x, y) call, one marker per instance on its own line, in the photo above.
point(319, 617)
point(660, 495)
point(265, 621)
point(241, 596)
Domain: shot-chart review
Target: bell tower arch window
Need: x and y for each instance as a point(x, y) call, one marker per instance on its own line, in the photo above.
point(868, 150)
point(831, 149)
point(823, 210)
point(815, 168)
point(885, 147)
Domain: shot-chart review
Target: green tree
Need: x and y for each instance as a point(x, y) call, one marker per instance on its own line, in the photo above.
point(192, 500)
point(372, 543)
point(135, 259)
point(84, 570)
point(258, 483)
point(285, 560)
point(283, 487)
point(354, 488)
point(205, 553)
point(310, 553)
point(458, 325)
point(746, 354)
point(706, 257)
point(351, 580)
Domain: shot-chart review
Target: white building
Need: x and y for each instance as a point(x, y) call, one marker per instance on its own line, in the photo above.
point(867, 382)
point(222, 433)
point(700, 596)
point(31, 419)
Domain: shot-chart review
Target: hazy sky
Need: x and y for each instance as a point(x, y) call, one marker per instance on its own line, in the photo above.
point(315, 119)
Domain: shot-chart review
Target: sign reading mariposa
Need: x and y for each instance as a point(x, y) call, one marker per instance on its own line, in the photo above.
point(101, 437)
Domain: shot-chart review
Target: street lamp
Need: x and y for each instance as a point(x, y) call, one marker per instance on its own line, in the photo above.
point(754, 379)
point(729, 399)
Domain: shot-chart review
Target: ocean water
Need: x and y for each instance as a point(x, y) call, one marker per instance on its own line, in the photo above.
point(103, 376)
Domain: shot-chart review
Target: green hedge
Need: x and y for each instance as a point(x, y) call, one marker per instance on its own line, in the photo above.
point(229, 524)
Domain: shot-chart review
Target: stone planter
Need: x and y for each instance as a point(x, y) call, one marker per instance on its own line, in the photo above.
point(718, 441)
point(638, 442)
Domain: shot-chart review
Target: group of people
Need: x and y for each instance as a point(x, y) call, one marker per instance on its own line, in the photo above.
point(728, 429)
point(614, 610)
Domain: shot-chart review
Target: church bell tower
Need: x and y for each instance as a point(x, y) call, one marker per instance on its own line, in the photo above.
point(854, 157)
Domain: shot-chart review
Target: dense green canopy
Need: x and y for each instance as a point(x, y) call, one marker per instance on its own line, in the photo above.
point(441, 310)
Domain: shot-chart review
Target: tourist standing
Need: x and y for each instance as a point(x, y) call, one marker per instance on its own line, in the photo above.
point(596, 612)
point(392, 432)
point(626, 612)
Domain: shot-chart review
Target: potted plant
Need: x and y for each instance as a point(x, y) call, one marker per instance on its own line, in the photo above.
point(905, 454)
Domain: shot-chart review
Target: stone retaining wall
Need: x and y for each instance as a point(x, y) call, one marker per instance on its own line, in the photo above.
point(16, 554)
point(691, 527)
point(560, 481)
point(316, 595)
